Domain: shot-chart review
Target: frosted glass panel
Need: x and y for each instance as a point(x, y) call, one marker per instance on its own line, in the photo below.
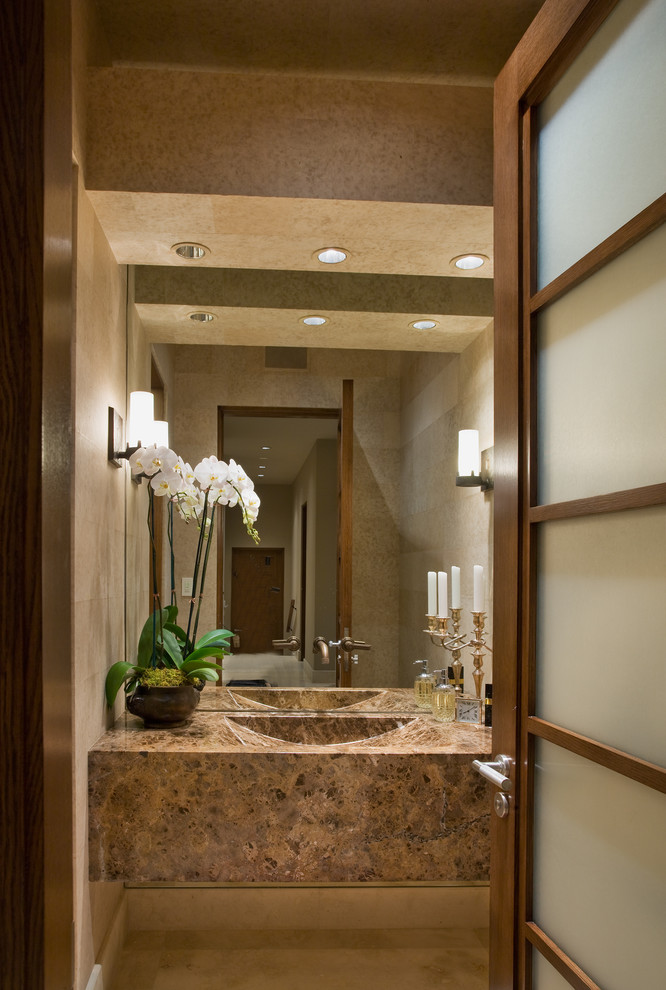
point(602, 137)
point(601, 379)
point(600, 869)
point(601, 597)
point(544, 977)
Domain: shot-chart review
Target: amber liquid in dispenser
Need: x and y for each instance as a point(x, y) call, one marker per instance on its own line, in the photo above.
point(443, 700)
point(423, 686)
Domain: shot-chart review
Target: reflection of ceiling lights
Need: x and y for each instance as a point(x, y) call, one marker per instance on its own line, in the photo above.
point(265, 448)
point(467, 262)
point(423, 324)
point(314, 321)
point(201, 317)
point(189, 251)
point(331, 256)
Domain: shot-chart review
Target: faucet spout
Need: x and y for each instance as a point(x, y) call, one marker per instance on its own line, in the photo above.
point(321, 645)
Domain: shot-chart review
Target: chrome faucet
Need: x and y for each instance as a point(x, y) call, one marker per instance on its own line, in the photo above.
point(321, 645)
point(293, 644)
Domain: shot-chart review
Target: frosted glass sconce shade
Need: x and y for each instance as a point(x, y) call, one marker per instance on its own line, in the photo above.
point(160, 433)
point(141, 418)
point(469, 456)
point(474, 467)
point(142, 429)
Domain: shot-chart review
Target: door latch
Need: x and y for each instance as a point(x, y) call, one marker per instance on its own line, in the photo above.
point(496, 771)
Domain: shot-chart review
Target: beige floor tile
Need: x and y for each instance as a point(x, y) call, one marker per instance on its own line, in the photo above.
point(452, 959)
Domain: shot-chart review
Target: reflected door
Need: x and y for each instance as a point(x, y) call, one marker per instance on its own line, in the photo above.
point(257, 597)
point(578, 865)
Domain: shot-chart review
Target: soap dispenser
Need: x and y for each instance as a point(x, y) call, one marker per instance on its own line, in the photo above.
point(423, 686)
point(443, 698)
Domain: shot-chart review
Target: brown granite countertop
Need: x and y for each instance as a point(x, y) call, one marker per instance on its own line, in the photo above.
point(218, 731)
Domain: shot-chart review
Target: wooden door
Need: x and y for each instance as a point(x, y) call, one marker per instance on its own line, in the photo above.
point(577, 865)
point(257, 597)
point(345, 490)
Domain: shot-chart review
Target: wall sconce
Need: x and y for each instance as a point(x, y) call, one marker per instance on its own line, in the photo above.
point(475, 470)
point(142, 429)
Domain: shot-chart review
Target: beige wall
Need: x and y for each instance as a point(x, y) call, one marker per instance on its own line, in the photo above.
point(316, 485)
point(441, 525)
point(99, 544)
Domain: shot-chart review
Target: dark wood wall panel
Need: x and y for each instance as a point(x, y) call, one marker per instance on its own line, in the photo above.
point(21, 778)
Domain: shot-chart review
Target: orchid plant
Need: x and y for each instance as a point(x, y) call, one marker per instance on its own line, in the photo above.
point(194, 494)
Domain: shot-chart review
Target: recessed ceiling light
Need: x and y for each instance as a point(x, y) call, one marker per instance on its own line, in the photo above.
point(314, 321)
point(331, 256)
point(467, 262)
point(190, 251)
point(202, 317)
point(260, 476)
point(265, 448)
point(423, 324)
point(262, 467)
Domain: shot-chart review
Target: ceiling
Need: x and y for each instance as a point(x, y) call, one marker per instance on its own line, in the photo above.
point(403, 250)
point(416, 40)
point(289, 439)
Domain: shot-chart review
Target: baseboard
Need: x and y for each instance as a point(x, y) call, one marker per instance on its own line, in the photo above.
point(313, 908)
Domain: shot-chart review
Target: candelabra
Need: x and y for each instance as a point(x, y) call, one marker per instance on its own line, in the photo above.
point(439, 636)
point(455, 643)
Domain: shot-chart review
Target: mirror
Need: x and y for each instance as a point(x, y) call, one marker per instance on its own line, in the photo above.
point(408, 516)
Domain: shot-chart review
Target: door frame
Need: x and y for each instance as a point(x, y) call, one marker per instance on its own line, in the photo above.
point(557, 35)
point(344, 415)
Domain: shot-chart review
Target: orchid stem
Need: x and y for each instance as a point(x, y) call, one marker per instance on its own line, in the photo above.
point(209, 539)
point(202, 534)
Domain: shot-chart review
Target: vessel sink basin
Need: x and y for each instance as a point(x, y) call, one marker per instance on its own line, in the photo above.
point(320, 730)
point(302, 699)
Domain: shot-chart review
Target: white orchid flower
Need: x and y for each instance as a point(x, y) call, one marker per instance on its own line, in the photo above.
point(138, 461)
point(211, 473)
point(251, 502)
point(237, 475)
point(188, 474)
point(166, 483)
point(159, 459)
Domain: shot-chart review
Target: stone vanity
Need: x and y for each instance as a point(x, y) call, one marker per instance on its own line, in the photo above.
point(283, 785)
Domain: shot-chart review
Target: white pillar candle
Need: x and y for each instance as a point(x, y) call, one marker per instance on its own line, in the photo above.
point(442, 595)
point(432, 592)
point(478, 588)
point(455, 587)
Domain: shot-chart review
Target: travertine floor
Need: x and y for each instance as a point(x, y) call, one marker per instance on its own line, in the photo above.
point(447, 959)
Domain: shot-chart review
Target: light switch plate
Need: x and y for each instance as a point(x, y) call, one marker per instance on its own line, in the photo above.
point(186, 584)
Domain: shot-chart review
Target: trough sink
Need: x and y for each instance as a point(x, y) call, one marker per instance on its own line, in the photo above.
point(320, 730)
point(303, 699)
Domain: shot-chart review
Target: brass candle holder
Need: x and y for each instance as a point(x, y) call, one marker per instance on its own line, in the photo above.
point(457, 642)
point(477, 644)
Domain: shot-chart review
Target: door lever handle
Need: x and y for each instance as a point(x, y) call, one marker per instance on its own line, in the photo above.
point(496, 771)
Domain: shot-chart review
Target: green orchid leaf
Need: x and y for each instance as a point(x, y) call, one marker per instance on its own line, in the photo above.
point(193, 663)
point(178, 632)
point(205, 651)
point(144, 651)
point(202, 674)
point(215, 636)
point(115, 677)
point(172, 648)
